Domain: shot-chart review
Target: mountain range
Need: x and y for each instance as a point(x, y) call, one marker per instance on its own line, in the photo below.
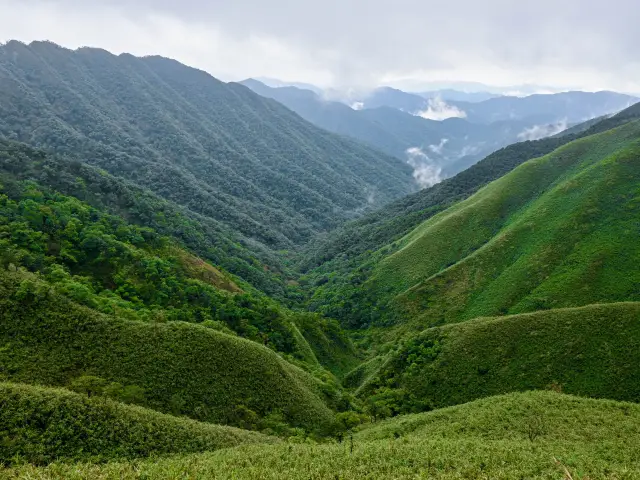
point(439, 139)
point(198, 281)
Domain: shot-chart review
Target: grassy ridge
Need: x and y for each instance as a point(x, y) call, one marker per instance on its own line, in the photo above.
point(41, 425)
point(558, 231)
point(540, 435)
point(591, 351)
point(183, 368)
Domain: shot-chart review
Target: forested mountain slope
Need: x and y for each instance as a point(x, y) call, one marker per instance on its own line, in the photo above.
point(218, 149)
point(204, 236)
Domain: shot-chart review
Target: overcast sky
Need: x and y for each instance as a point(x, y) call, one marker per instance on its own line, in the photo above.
point(358, 43)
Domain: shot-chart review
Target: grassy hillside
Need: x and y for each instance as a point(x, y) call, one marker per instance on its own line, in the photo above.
point(217, 149)
point(42, 425)
point(558, 231)
point(590, 351)
point(179, 368)
point(541, 435)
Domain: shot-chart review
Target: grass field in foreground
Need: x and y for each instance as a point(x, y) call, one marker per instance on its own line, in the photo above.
point(524, 435)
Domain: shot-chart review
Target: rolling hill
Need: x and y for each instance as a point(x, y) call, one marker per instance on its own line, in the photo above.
point(217, 149)
point(42, 425)
point(589, 351)
point(179, 367)
point(529, 435)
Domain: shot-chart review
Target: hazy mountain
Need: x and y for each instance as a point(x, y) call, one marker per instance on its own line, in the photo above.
point(436, 149)
point(459, 96)
point(275, 83)
point(571, 107)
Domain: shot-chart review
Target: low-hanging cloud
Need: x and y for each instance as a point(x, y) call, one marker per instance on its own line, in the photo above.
point(439, 147)
point(425, 171)
point(438, 109)
point(536, 132)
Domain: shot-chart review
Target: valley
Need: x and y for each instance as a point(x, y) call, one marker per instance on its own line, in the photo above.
point(198, 281)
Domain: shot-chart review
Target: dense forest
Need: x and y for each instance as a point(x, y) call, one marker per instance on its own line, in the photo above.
point(217, 149)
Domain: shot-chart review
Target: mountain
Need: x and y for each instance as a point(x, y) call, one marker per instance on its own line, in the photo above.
point(509, 256)
point(436, 149)
point(275, 83)
point(529, 283)
point(571, 107)
point(217, 149)
point(459, 96)
point(394, 98)
point(375, 258)
point(186, 267)
point(87, 294)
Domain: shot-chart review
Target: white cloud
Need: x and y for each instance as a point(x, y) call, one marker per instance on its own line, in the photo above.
point(438, 148)
point(438, 109)
point(360, 42)
point(425, 171)
point(537, 132)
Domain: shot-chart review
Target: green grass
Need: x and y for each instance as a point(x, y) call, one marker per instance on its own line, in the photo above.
point(558, 231)
point(42, 425)
point(591, 351)
point(540, 435)
point(183, 368)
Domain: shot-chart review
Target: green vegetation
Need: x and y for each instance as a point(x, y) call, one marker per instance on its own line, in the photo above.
point(167, 287)
point(42, 425)
point(541, 435)
point(202, 235)
point(559, 231)
point(216, 149)
point(338, 267)
point(590, 351)
point(102, 262)
point(182, 368)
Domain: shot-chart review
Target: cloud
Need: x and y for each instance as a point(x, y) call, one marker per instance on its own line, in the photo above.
point(360, 43)
point(425, 171)
point(357, 105)
point(438, 109)
point(537, 132)
point(438, 148)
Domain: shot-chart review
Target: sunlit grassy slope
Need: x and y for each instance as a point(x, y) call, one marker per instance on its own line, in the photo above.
point(559, 231)
point(183, 368)
point(527, 435)
point(592, 351)
point(41, 425)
